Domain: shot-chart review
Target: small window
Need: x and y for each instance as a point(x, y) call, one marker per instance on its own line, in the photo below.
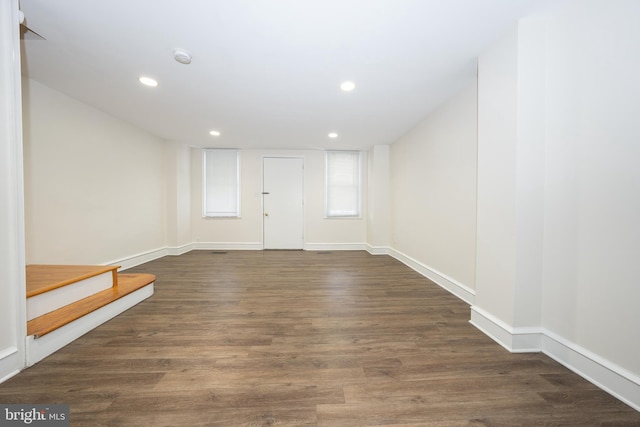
point(221, 183)
point(342, 190)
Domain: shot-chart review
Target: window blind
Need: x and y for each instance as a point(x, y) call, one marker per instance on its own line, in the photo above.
point(221, 186)
point(342, 184)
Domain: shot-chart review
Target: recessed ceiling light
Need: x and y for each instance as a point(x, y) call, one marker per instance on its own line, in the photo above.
point(347, 86)
point(148, 81)
point(333, 135)
point(214, 133)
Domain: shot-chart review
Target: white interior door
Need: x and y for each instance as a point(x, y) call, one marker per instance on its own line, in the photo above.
point(283, 198)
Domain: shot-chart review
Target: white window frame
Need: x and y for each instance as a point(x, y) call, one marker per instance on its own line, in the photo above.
point(331, 186)
point(232, 209)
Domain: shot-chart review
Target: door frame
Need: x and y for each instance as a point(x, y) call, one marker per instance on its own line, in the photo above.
point(304, 195)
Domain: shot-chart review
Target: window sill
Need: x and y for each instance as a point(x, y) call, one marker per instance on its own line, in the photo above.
point(342, 217)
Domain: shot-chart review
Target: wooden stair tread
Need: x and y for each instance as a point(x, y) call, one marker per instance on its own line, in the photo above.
point(127, 283)
point(43, 278)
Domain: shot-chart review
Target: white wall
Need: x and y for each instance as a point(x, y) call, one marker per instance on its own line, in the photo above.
point(510, 181)
point(246, 232)
point(592, 205)
point(433, 190)
point(178, 157)
point(12, 273)
point(379, 202)
point(497, 154)
point(94, 185)
point(559, 190)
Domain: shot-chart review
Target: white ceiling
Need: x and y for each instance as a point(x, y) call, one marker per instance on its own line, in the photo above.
point(265, 73)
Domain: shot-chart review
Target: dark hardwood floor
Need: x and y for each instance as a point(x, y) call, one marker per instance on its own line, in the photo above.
point(288, 338)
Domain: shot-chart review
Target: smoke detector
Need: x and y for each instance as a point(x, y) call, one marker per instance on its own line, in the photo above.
point(182, 56)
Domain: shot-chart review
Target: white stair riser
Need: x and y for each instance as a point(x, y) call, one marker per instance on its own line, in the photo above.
point(49, 301)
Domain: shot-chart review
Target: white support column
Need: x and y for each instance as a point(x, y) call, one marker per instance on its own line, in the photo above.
point(511, 166)
point(379, 214)
point(12, 254)
point(178, 158)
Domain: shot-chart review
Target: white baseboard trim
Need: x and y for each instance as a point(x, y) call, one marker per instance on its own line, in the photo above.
point(38, 349)
point(10, 363)
point(601, 372)
point(515, 340)
point(334, 246)
point(227, 246)
point(179, 250)
point(377, 250)
point(463, 292)
point(141, 258)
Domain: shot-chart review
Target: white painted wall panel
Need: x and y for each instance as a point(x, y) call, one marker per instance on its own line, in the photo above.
point(178, 215)
point(592, 202)
point(95, 186)
point(379, 202)
point(497, 152)
point(12, 273)
point(433, 189)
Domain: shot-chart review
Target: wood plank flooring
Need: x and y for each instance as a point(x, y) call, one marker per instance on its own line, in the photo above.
point(282, 338)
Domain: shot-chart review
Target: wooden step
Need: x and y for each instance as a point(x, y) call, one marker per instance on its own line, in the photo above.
point(126, 284)
point(43, 278)
point(50, 287)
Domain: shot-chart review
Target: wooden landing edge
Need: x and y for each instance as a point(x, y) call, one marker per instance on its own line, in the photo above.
point(43, 278)
point(127, 283)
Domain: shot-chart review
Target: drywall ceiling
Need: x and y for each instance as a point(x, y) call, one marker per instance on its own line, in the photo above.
point(265, 73)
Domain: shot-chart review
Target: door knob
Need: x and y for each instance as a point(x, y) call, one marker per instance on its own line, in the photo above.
point(266, 214)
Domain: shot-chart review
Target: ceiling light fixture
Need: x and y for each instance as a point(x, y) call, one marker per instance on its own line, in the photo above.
point(148, 81)
point(182, 56)
point(333, 135)
point(214, 133)
point(347, 86)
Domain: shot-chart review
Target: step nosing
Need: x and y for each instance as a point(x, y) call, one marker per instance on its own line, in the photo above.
point(42, 278)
